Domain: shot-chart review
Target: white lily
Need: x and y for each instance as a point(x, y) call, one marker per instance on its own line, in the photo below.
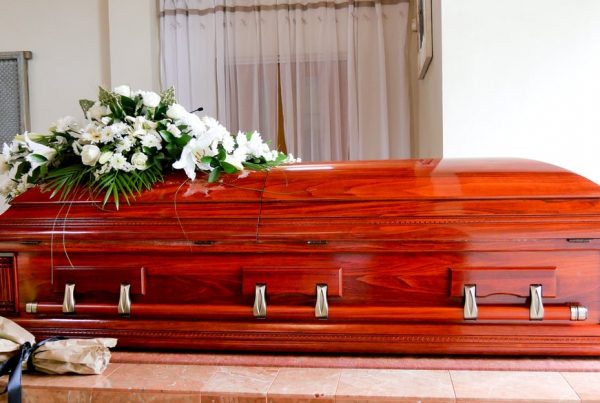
point(190, 159)
point(187, 161)
point(38, 149)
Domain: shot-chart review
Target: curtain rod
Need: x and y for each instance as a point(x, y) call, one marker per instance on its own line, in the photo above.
point(278, 7)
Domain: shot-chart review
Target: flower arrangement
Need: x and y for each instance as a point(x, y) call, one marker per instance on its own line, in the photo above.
point(129, 140)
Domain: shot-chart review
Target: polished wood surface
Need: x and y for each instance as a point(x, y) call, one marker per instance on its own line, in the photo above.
point(303, 313)
point(86, 279)
point(292, 280)
point(395, 241)
point(506, 280)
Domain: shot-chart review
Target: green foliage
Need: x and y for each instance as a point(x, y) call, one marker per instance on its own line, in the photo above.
point(63, 181)
point(85, 104)
point(167, 97)
point(117, 156)
point(39, 158)
point(106, 97)
point(213, 176)
point(130, 106)
point(260, 164)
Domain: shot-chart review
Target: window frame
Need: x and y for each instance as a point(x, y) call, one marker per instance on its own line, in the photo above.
point(21, 58)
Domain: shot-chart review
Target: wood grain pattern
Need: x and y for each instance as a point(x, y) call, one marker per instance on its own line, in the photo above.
point(394, 240)
point(8, 285)
point(86, 279)
point(303, 313)
point(292, 280)
point(507, 280)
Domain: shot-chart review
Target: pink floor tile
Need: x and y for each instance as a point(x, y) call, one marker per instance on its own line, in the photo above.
point(240, 382)
point(396, 385)
point(585, 384)
point(304, 384)
point(161, 377)
point(498, 386)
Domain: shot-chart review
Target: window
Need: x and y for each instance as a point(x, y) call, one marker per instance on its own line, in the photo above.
point(14, 94)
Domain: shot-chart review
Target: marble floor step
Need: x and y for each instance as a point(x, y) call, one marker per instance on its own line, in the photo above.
point(169, 382)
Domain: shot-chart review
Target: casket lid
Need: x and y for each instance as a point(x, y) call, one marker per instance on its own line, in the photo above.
point(368, 180)
point(376, 201)
point(426, 179)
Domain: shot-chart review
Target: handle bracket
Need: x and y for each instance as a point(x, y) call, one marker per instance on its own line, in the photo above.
point(259, 310)
point(68, 305)
point(322, 306)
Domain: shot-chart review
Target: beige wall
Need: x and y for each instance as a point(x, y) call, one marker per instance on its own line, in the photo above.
point(134, 43)
point(426, 94)
point(78, 45)
point(530, 91)
point(518, 79)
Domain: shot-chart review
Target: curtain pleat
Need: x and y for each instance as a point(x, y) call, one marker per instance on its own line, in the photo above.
point(341, 66)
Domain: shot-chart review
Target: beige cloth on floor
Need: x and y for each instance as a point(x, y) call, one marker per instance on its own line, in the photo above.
point(11, 338)
point(80, 356)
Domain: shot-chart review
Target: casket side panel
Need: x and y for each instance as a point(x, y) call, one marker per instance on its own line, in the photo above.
point(393, 242)
point(386, 297)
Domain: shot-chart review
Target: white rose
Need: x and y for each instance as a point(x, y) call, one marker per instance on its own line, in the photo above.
point(123, 90)
point(176, 111)
point(90, 155)
point(150, 99)
point(105, 156)
point(139, 160)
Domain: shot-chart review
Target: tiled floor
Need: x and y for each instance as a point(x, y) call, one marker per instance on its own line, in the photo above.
point(144, 382)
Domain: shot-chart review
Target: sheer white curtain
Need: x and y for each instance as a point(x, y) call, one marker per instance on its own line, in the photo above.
point(336, 69)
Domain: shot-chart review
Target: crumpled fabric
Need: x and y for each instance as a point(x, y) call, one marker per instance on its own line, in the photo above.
point(80, 356)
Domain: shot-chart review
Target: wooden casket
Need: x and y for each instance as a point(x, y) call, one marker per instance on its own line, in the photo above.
point(416, 256)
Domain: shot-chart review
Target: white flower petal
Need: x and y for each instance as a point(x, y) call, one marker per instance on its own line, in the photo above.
point(90, 154)
point(150, 99)
point(123, 90)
